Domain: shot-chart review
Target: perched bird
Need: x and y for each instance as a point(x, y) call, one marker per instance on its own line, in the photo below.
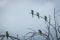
point(7, 34)
point(32, 12)
point(40, 31)
point(45, 17)
point(37, 14)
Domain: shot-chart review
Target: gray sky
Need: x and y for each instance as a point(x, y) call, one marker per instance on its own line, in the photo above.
point(15, 17)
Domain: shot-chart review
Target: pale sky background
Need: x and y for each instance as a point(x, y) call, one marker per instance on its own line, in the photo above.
point(15, 17)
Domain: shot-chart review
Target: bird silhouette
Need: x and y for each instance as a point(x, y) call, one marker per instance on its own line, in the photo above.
point(32, 12)
point(7, 34)
point(45, 18)
point(40, 31)
point(37, 14)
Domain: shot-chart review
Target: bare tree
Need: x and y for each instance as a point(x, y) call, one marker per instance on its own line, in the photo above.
point(49, 35)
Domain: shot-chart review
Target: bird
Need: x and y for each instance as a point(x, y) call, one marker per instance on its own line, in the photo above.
point(37, 14)
point(40, 31)
point(45, 17)
point(7, 34)
point(32, 12)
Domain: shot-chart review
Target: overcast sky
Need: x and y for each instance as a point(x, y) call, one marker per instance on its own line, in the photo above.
point(15, 17)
